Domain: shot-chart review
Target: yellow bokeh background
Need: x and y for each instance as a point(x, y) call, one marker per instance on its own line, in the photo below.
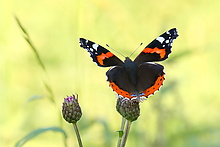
point(185, 112)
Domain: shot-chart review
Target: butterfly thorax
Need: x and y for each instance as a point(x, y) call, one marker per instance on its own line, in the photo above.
point(131, 70)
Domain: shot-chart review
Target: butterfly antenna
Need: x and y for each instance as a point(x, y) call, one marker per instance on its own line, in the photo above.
point(136, 49)
point(115, 50)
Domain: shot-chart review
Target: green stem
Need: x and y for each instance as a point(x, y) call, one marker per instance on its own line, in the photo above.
point(121, 131)
point(125, 136)
point(77, 135)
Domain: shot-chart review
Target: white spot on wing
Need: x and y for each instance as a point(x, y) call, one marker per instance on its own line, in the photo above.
point(91, 50)
point(95, 46)
point(168, 32)
point(160, 39)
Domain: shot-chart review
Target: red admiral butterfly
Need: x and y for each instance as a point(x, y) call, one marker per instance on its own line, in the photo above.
point(139, 78)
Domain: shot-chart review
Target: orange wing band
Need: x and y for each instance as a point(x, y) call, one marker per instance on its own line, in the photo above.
point(155, 87)
point(146, 93)
point(101, 57)
point(161, 52)
point(120, 91)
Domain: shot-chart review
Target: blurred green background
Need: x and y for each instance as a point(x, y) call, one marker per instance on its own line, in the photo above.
point(185, 112)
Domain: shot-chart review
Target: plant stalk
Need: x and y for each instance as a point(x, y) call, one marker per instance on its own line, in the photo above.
point(121, 131)
point(77, 135)
point(125, 136)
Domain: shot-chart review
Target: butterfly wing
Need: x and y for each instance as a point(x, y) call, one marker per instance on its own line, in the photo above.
point(119, 82)
point(158, 49)
point(101, 56)
point(150, 78)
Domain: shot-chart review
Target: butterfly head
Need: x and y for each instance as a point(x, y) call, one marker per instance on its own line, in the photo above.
point(129, 64)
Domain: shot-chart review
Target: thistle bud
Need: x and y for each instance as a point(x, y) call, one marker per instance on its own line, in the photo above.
point(71, 110)
point(128, 108)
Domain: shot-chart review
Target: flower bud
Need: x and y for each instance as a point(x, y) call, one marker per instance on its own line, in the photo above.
point(71, 110)
point(128, 108)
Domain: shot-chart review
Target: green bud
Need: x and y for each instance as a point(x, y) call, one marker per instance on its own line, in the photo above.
point(128, 108)
point(71, 110)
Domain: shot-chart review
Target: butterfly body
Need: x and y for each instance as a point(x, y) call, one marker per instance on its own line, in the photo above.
point(134, 79)
point(130, 68)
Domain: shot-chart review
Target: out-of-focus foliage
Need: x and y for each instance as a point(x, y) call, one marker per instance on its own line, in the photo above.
point(185, 112)
point(37, 132)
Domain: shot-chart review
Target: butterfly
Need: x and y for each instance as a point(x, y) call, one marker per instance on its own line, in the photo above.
point(134, 79)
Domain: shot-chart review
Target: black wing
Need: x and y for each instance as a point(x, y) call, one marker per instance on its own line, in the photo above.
point(99, 54)
point(158, 49)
